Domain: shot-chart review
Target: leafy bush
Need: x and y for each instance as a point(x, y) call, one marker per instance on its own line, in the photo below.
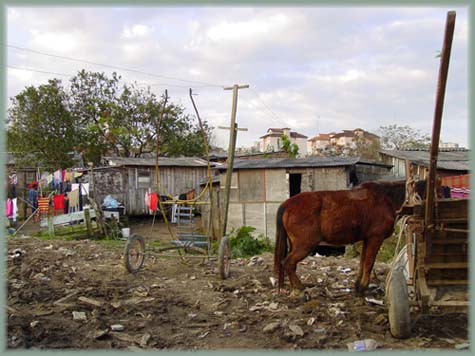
point(243, 244)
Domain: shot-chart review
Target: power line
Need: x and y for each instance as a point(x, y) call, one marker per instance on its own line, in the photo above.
point(72, 75)
point(39, 71)
point(112, 66)
point(265, 105)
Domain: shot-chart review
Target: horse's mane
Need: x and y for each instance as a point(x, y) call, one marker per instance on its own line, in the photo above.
point(395, 191)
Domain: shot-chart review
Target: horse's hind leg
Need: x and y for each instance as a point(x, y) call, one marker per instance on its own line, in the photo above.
point(371, 249)
point(297, 253)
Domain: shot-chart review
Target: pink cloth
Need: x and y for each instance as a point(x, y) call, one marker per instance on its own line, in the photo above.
point(9, 208)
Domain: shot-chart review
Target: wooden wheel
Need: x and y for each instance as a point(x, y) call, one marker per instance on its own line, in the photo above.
point(224, 258)
point(134, 254)
point(398, 305)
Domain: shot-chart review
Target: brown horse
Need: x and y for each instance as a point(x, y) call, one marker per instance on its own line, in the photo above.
point(366, 213)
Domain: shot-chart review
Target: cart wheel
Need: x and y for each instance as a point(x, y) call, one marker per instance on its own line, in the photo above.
point(134, 253)
point(224, 257)
point(398, 304)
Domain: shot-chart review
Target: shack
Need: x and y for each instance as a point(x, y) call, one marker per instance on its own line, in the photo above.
point(450, 162)
point(259, 186)
point(128, 179)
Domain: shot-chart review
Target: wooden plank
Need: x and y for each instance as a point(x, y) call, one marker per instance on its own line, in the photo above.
point(68, 218)
point(447, 265)
point(452, 282)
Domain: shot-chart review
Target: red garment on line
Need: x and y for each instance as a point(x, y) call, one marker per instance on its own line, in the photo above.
point(153, 201)
point(58, 202)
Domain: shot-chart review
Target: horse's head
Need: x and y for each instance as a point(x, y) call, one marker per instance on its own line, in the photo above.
point(420, 187)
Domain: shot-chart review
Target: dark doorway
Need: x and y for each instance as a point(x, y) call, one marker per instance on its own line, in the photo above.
point(295, 180)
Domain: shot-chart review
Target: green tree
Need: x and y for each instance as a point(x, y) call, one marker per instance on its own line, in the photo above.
point(40, 127)
point(291, 148)
point(394, 137)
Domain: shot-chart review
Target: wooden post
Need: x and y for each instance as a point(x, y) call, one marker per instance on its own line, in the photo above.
point(439, 106)
point(87, 219)
point(50, 226)
point(232, 148)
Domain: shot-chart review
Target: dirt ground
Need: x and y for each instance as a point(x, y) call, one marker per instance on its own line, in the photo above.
point(68, 295)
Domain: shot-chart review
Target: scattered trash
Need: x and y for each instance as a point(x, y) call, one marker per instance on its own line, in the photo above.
point(374, 301)
point(273, 306)
point(344, 270)
point(34, 323)
point(363, 345)
point(296, 330)
point(116, 305)
point(271, 327)
point(90, 301)
point(273, 281)
point(49, 247)
point(191, 315)
point(317, 255)
point(79, 315)
point(202, 336)
point(463, 346)
point(311, 321)
point(117, 327)
point(381, 319)
point(218, 313)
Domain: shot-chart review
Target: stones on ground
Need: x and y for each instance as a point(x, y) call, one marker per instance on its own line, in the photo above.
point(311, 321)
point(296, 330)
point(79, 315)
point(117, 327)
point(272, 327)
point(273, 306)
point(144, 339)
point(97, 334)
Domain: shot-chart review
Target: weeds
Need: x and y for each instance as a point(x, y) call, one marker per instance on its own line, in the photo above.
point(243, 244)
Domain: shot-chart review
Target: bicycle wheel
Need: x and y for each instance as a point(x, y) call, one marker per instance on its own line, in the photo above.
point(134, 254)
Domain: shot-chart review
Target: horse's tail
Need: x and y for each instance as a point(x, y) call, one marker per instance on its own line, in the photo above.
point(280, 247)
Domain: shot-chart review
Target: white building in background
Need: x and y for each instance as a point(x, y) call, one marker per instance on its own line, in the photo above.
point(272, 140)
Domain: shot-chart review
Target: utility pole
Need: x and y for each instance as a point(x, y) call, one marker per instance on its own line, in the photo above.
point(232, 147)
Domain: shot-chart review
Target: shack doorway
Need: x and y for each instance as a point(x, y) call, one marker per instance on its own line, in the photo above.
point(295, 182)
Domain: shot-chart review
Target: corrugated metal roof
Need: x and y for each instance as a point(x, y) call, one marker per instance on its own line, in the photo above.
point(307, 162)
point(456, 160)
point(162, 161)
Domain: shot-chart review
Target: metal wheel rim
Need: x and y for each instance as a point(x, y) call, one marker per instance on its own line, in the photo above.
point(135, 254)
point(227, 258)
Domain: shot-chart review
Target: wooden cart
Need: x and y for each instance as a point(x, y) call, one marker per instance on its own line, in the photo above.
point(432, 269)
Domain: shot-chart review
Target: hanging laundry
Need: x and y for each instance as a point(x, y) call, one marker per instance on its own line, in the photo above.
point(49, 179)
point(14, 209)
point(63, 174)
point(68, 176)
point(57, 175)
point(43, 205)
point(153, 201)
point(58, 203)
point(9, 208)
point(73, 200)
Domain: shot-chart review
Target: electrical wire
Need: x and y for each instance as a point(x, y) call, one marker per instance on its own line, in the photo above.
point(112, 66)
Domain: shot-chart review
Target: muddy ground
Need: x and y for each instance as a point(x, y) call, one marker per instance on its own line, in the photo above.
point(67, 295)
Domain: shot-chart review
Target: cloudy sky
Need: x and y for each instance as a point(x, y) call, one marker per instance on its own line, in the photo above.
point(314, 69)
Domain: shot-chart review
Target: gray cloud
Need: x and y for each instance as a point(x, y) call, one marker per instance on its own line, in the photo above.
point(314, 69)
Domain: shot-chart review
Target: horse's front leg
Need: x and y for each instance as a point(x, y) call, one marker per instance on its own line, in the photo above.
point(370, 250)
point(360, 272)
